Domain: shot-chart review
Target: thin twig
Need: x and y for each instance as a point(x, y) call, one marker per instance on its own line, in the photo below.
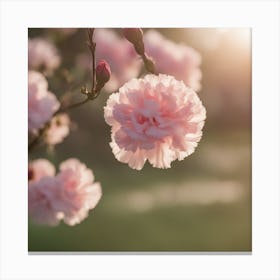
point(92, 46)
point(90, 95)
point(71, 106)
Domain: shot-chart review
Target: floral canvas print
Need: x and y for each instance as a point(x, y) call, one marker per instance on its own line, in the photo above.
point(139, 140)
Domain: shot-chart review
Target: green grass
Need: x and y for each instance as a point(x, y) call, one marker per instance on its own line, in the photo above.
point(115, 226)
point(212, 228)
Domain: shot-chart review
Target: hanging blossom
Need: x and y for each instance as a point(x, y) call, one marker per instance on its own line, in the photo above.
point(42, 193)
point(42, 55)
point(41, 103)
point(58, 129)
point(156, 118)
point(68, 196)
point(118, 53)
point(178, 60)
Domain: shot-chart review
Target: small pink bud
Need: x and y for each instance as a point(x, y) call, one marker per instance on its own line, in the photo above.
point(103, 73)
point(135, 36)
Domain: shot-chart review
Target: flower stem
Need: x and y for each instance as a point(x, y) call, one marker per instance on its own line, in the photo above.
point(92, 46)
point(71, 106)
point(90, 96)
point(149, 64)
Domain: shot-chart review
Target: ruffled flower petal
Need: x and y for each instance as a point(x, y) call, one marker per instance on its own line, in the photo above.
point(156, 118)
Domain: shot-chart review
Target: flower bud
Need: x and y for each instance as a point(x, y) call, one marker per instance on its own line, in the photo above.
point(135, 36)
point(103, 73)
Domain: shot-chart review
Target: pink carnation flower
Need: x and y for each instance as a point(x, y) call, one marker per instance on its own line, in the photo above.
point(41, 103)
point(78, 192)
point(156, 118)
point(42, 54)
point(43, 201)
point(58, 130)
point(67, 196)
point(119, 54)
point(178, 60)
point(42, 192)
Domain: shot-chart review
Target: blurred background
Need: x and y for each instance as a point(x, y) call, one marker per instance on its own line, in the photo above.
point(202, 203)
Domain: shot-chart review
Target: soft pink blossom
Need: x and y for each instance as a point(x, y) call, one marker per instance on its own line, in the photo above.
point(67, 196)
point(178, 60)
point(78, 191)
point(119, 54)
point(156, 118)
point(43, 201)
point(59, 128)
point(42, 186)
point(41, 103)
point(43, 55)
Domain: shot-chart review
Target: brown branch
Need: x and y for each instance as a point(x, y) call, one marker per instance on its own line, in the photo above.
point(92, 46)
point(71, 106)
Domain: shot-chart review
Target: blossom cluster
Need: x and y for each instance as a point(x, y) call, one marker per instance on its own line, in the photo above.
point(67, 196)
point(42, 104)
point(157, 118)
point(42, 55)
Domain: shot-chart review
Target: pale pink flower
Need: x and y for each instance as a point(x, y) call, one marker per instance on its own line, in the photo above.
point(78, 192)
point(41, 103)
point(43, 55)
point(43, 201)
point(42, 191)
point(156, 118)
point(59, 128)
point(119, 54)
point(178, 60)
point(67, 196)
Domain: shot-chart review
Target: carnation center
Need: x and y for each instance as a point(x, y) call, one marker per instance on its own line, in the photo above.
point(148, 120)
